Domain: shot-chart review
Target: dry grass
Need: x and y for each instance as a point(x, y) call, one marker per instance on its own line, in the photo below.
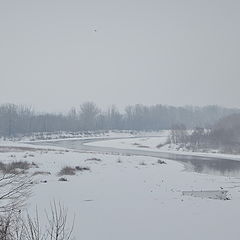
point(78, 168)
point(15, 167)
point(93, 159)
point(72, 171)
point(62, 179)
point(41, 173)
point(67, 171)
point(161, 161)
point(22, 149)
point(143, 146)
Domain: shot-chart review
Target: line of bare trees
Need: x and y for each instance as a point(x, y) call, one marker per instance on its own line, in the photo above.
point(18, 119)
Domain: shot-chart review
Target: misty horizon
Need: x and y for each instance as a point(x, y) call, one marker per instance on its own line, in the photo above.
point(55, 55)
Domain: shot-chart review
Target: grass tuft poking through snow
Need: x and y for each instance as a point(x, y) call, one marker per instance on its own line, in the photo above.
point(67, 171)
point(78, 168)
point(93, 159)
point(72, 171)
point(41, 173)
point(161, 161)
point(62, 179)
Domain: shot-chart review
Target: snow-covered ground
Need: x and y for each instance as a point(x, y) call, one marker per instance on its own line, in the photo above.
point(58, 136)
point(140, 142)
point(131, 197)
point(157, 143)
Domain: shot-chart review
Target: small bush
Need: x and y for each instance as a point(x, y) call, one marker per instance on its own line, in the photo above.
point(62, 179)
point(78, 168)
point(20, 165)
point(160, 145)
point(143, 146)
point(161, 161)
point(142, 163)
point(67, 171)
point(35, 165)
point(41, 173)
point(168, 141)
point(2, 166)
point(136, 144)
point(93, 159)
point(119, 160)
point(13, 167)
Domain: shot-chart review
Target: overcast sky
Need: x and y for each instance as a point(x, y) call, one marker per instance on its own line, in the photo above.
point(58, 54)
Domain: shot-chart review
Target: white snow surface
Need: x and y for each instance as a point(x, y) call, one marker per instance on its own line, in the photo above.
point(131, 197)
point(151, 143)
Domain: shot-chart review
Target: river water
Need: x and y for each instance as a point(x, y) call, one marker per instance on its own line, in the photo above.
point(199, 164)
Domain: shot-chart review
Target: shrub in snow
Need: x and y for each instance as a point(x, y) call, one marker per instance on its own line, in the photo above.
point(78, 168)
point(41, 173)
point(143, 146)
point(67, 171)
point(35, 165)
point(94, 159)
point(20, 165)
point(161, 161)
point(13, 167)
point(62, 179)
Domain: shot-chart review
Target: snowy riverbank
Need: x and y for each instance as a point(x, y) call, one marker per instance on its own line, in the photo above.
point(130, 197)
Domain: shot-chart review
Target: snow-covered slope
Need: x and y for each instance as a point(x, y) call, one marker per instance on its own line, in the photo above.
point(158, 144)
point(130, 197)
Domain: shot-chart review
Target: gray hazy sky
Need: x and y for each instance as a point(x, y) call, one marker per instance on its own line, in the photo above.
point(58, 54)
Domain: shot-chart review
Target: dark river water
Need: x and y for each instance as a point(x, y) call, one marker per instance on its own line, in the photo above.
point(199, 164)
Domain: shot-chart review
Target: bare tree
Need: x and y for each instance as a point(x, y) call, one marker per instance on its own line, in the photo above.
point(16, 226)
point(88, 114)
point(57, 223)
point(179, 134)
point(15, 188)
point(32, 229)
point(18, 120)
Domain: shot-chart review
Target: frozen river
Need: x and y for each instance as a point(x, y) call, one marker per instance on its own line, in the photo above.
point(200, 164)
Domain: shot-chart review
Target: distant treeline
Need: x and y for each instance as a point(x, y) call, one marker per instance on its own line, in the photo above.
point(223, 136)
point(19, 119)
